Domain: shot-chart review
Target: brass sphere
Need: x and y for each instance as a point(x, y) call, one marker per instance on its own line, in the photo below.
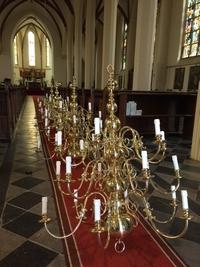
point(111, 107)
point(120, 225)
point(113, 123)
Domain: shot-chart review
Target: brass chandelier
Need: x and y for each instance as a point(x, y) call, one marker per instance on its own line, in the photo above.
point(66, 124)
point(110, 178)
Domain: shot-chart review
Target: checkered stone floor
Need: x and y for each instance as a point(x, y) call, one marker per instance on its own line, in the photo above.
point(24, 241)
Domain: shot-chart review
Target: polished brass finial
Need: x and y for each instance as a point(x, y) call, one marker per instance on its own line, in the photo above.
point(110, 70)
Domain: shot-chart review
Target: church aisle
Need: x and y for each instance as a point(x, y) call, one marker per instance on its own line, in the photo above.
point(24, 241)
point(24, 179)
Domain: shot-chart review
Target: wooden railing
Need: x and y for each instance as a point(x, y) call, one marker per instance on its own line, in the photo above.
point(11, 101)
point(174, 109)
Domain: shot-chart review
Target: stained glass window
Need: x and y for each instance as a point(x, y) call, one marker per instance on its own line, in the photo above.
point(15, 51)
point(124, 46)
point(31, 48)
point(191, 41)
point(47, 52)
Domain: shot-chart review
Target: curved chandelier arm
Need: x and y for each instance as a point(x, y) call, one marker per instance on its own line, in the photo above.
point(135, 143)
point(69, 190)
point(151, 218)
point(165, 192)
point(68, 235)
point(158, 155)
point(107, 240)
point(175, 207)
point(82, 161)
point(168, 235)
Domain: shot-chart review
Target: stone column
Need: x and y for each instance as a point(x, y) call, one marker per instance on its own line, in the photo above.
point(119, 43)
point(70, 52)
point(78, 8)
point(144, 47)
point(90, 43)
point(99, 48)
point(131, 45)
point(109, 37)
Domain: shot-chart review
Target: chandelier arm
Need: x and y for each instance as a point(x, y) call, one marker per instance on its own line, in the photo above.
point(136, 140)
point(85, 195)
point(168, 235)
point(165, 192)
point(69, 191)
point(151, 218)
point(68, 235)
point(175, 207)
point(132, 213)
point(153, 159)
point(133, 182)
point(107, 240)
point(80, 162)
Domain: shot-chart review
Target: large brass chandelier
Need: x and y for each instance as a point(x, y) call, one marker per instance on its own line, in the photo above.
point(66, 125)
point(111, 180)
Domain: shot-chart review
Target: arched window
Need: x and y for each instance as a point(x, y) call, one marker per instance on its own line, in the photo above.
point(124, 46)
point(15, 51)
point(31, 48)
point(47, 52)
point(191, 41)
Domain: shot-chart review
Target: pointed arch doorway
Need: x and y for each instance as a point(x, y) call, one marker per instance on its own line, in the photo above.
point(32, 56)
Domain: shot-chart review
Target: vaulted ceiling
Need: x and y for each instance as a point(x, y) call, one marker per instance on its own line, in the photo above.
point(57, 11)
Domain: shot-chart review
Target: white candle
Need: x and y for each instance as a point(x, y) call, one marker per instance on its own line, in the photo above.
point(99, 166)
point(38, 142)
point(46, 112)
point(145, 164)
point(75, 195)
point(173, 191)
point(68, 165)
point(99, 113)
point(44, 205)
point(157, 126)
point(96, 125)
point(59, 136)
point(175, 162)
point(162, 135)
point(89, 106)
point(58, 164)
point(184, 196)
point(67, 98)
point(126, 194)
point(74, 118)
point(81, 143)
point(60, 104)
point(92, 137)
point(97, 210)
point(46, 122)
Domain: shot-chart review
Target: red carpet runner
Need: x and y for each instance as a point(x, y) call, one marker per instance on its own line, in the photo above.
point(144, 248)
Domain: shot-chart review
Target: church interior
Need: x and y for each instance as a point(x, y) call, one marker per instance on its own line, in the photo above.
point(99, 133)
